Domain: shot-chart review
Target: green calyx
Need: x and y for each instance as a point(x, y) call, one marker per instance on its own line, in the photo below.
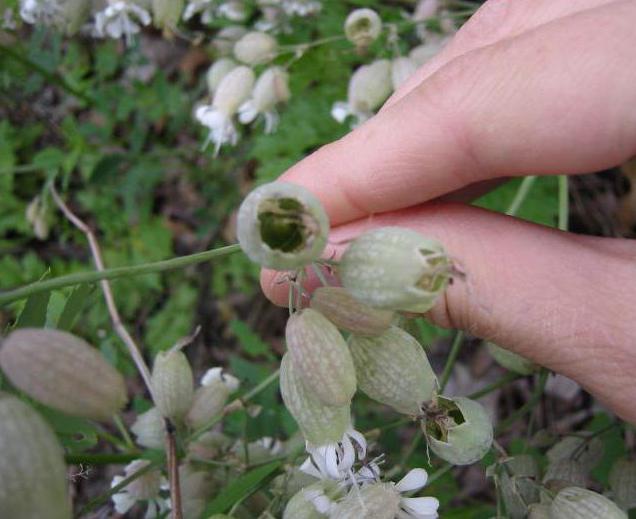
point(285, 225)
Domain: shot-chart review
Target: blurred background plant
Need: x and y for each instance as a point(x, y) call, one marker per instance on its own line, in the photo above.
point(114, 103)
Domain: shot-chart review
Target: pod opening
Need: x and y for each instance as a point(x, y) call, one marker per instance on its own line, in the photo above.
point(286, 225)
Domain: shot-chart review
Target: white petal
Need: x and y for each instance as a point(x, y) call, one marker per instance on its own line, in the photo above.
point(310, 469)
point(414, 480)
point(322, 504)
point(340, 111)
point(360, 441)
point(348, 455)
point(123, 501)
point(331, 462)
point(213, 374)
point(247, 112)
point(420, 507)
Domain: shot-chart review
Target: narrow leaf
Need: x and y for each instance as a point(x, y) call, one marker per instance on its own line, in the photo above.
point(33, 314)
point(73, 306)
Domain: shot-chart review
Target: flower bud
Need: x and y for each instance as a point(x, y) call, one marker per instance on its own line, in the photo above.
point(226, 38)
point(172, 384)
point(375, 501)
point(587, 451)
point(232, 90)
point(217, 71)
point(32, 469)
point(401, 70)
point(510, 360)
point(564, 473)
point(166, 13)
point(282, 226)
point(458, 430)
point(149, 429)
point(349, 314)
point(320, 424)
point(321, 357)
point(395, 269)
point(580, 503)
point(393, 369)
point(209, 401)
point(64, 372)
point(362, 27)
point(622, 481)
point(256, 48)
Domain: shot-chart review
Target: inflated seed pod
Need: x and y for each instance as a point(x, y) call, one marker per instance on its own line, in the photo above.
point(256, 48)
point(166, 13)
point(32, 470)
point(375, 501)
point(149, 429)
point(320, 424)
point(563, 473)
point(362, 27)
point(458, 430)
point(622, 481)
point(172, 384)
point(519, 485)
point(217, 71)
point(511, 360)
point(587, 451)
point(321, 357)
point(394, 370)
point(314, 501)
point(580, 503)
point(349, 314)
point(282, 226)
point(207, 403)
point(539, 511)
point(63, 372)
point(395, 269)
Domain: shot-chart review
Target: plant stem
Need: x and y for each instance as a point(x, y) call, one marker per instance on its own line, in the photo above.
point(520, 195)
point(503, 381)
point(114, 273)
point(564, 203)
point(452, 358)
point(173, 470)
point(121, 427)
point(528, 406)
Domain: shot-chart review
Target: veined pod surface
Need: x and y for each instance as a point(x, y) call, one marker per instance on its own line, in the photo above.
point(282, 226)
point(63, 372)
point(394, 370)
point(320, 424)
point(375, 501)
point(563, 473)
point(458, 430)
point(32, 469)
point(580, 503)
point(622, 480)
point(518, 481)
point(349, 314)
point(208, 402)
point(586, 451)
point(395, 269)
point(321, 357)
point(172, 384)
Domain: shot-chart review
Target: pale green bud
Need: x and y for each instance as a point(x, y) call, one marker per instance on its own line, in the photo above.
point(166, 13)
point(587, 451)
point(208, 402)
point(396, 269)
point(401, 70)
point(172, 384)
point(320, 424)
point(362, 27)
point(149, 429)
point(622, 481)
point(313, 502)
point(282, 226)
point(580, 503)
point(375, 501)
point(256, 48)
point(349, 314)
point(394, 370)
point(32, 470)
point(321, 357)
point(458, 430)
point(217, 71)
point(63, 372)
point(510, 360)
point(233, 90)
point(369, 86)
point(226, 38)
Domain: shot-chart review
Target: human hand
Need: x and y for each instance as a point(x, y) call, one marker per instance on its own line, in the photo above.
point(526, 87)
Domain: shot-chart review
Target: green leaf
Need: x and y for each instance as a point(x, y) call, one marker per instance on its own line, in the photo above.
point(241, 488)
point(76, 434)
point(33, 314)
point(73, 306)
point(251, 343)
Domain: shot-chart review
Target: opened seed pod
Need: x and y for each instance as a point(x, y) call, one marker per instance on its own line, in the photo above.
point(321, 357)
point(32, 469)
point(580, 503)
point(622, 480)
point(282, 226)
point(394, 370)
point(172, 384)
point(362, 27)
point(320, 424)
point(395, 269)
point(458, 430)
point(64, 372)
point(375, 501)
point(349, 314)
point(511, 360)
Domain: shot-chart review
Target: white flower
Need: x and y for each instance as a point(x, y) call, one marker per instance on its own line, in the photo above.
point(335, 460)
point(149, 429)
point(217, 71)
point(146, 487)
point(214, 374)
point(271, 89)
point(301, 7)
point(206, 7)
point(39, 11)
point(121, 18)
point(416, 507)
point(233, 10)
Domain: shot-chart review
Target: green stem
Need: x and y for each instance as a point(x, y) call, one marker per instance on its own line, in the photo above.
point(52, 77)
point(439, 473)
point(497, 384)
point(520, 195)
point(564, 203)
point(121, 427)
point(528, 406)
point(93, 276)
point(452, 358)
point(102, 459)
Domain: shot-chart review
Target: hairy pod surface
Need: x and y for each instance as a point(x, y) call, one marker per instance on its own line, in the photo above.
point(319, 423)
point(580, 503)
point(459, 430)
point(394, 370)
point(622, 481)
point(321, 357)
point(32, 469)
point(282, 226)
point(64, 372)
point(511, 360)
point(172, 384)
point(395, 269)
point(349, 314)
point(375, 501)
